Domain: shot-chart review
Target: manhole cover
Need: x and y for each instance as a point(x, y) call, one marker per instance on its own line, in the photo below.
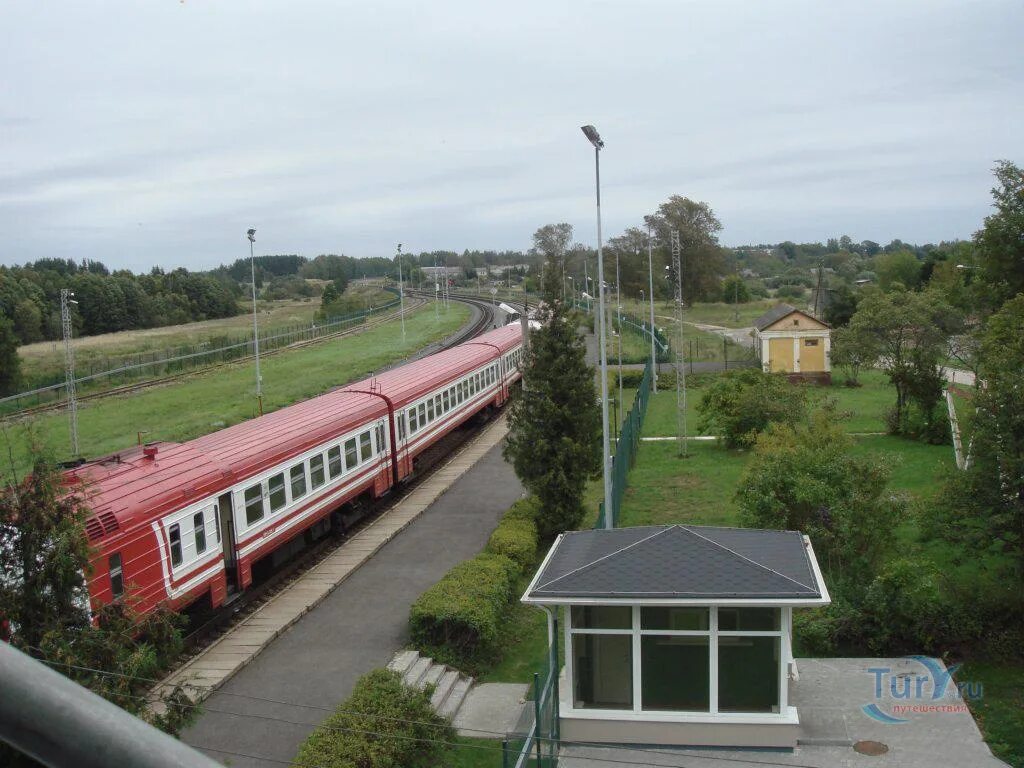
point(872, 748)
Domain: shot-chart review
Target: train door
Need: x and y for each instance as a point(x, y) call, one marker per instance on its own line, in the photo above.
point(226, 521)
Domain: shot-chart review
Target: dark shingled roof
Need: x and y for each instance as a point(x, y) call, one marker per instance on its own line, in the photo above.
point(773, 315)
point(678, 562)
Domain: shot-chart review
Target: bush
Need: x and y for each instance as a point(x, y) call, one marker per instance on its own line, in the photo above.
point(741, 404)
point(516, 539)
point(457, 619)
point(525, 509)
point(383, 723)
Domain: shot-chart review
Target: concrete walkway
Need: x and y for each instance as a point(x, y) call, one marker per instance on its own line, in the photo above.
point(316, 640)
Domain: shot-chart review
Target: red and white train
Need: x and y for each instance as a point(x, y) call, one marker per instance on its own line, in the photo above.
point(179, 522)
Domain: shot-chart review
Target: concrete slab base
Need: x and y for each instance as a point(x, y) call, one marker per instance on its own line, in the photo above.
point(491, 710)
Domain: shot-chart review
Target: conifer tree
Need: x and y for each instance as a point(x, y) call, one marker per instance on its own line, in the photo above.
point(554, 422)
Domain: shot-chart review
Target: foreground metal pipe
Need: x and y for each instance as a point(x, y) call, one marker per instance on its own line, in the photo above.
point(63, 725)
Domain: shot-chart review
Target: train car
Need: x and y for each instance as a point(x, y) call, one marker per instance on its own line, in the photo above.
point(181, 522)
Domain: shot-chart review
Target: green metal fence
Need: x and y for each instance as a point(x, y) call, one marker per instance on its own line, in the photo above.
point(537, 745)
point(626, 447)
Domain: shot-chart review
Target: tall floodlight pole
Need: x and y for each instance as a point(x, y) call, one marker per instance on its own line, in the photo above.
point(650, 280)
point(606, 453)
point(66, 300)
point(435, 287)
point(255, 324)
point(618, 320)
point(680, 361)
point(401, 292)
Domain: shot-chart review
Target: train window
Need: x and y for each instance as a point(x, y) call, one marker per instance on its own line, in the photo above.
point(174, 534)
point(253, 504)
point(430, 410)
point(116, 575)
point(437, 405)
point(298, 477)
point(365, 451)
point(380, 438)
point(199, 529)
point(334, 461)
point(452, 397)
point(422, 408)
point(275, 486)
point(316, 471)
point(413, 423)
point(401, 426)
point(446, 402)
point(351, 459)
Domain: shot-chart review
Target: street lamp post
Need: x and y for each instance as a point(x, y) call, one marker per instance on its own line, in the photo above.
point(401, 292)
point(650, 280)
point(66, 300)
point(595, 139)
point(618, 320)
point(255, 323)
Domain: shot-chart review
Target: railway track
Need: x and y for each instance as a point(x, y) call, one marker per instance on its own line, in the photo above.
point(148, 383)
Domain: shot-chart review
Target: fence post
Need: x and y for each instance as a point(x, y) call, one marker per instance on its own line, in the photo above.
point(504, 753)
point(725, 352)
point(536, 718)
point(555, 724)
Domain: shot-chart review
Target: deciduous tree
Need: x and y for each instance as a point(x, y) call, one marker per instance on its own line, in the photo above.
point(1000, 243)
point(741, 404)
point(10, 363)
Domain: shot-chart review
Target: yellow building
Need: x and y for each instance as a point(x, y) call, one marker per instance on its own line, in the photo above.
point(790, 341)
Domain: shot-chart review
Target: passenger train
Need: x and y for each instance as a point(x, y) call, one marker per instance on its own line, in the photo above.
point(179, 523)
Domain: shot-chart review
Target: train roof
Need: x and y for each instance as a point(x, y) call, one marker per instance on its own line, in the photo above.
point(409, 382)
point(130, 487)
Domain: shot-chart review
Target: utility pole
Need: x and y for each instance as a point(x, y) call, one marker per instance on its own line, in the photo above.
point(66, 299)
point(680, 361)
point(401, 292)
point(436, 285)
point(650, 280)
point(618, 320)
point(255, 325)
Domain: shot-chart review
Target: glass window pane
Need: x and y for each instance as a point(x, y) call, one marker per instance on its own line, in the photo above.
point(748, 619)
point(275, 486)
point(175, 536)
point(748, 674)
point(253, 504)
point(675, 673)
point(422, 409)
point(437, 405)
point(602, 670)
point(602, 617)
point(116, 575)
point(350, 454)
point(298, 477)
point(413, 421)
point(334, 462)
point(447, 401)
point(430, 410)
point(365, 448)
point(199, 528)
point(674, 618)
point(316, 471)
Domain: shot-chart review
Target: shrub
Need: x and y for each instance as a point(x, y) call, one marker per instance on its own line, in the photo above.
point(458, 618)
point(383, 723)
point(741, 404)
point(525, 509)
point(516, 539)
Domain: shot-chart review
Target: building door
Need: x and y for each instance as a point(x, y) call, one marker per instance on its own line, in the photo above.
point(780, 355)
point(225, 511)
point(812, 356)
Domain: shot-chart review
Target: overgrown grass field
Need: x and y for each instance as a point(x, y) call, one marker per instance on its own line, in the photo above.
point(223, 396)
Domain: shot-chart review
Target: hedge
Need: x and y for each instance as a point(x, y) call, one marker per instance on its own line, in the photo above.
point(516, 538)
point(524, 509)
point(383, 723)
point(460, 616)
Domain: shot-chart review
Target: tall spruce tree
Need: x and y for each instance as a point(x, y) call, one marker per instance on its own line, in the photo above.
point(554, 422)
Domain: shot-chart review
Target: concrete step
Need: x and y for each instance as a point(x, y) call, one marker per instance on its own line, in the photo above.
point(402, 661)
point(415, 673)
point(451, 704)
point(444, 687)
point(432, 676)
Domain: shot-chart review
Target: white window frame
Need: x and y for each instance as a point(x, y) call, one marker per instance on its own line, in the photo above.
point(784, 633)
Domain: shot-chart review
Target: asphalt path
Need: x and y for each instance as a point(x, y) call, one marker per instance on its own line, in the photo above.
point(270, 706)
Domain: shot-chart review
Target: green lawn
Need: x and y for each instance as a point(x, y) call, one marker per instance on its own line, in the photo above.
point(217, 398)
point(1000, 710)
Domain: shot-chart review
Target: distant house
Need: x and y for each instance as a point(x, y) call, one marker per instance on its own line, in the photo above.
point(678, 634)
point(789, 340)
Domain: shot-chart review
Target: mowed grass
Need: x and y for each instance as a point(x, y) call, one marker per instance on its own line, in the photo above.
point(47, 357)
point(220, 397)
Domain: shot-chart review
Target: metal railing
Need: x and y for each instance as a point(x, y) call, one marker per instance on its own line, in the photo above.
point(626, 447)
point(537, 746)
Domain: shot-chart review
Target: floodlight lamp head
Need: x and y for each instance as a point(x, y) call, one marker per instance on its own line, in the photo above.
point(252, 235)
point(592, 136)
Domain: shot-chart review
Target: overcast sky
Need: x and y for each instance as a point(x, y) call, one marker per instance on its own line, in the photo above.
point(157, 131)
